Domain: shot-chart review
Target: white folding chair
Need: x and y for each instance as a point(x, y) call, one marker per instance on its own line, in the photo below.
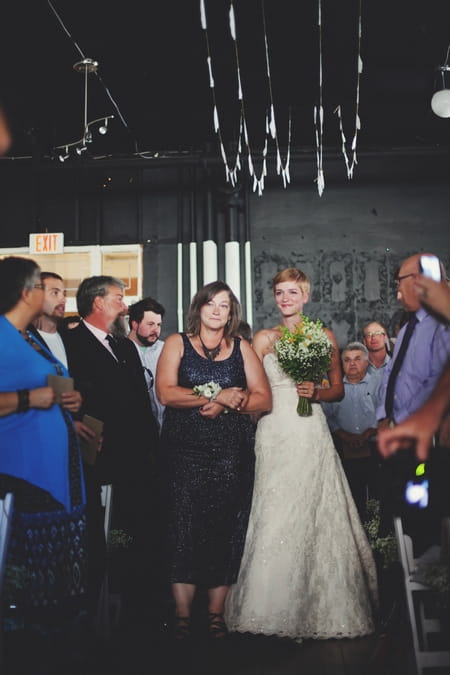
point(6, 513)
point(421, 626)
point(106, 497)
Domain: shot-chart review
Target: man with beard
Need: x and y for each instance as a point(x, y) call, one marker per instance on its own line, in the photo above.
point(145, 319)
point(108, 372)
point(45, 329)
point(46, 326)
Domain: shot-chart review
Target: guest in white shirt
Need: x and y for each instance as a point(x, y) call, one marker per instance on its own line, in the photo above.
point(145, 320)
point(45, 327)
point(53, 309)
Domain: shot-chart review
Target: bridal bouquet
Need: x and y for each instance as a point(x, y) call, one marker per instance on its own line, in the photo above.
point(304, 355)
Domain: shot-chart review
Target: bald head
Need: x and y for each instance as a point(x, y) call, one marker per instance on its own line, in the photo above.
point(407, 291)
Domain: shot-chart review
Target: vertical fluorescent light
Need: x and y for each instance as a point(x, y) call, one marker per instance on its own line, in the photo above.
point(193, 268)
point(209, 261)
point(232, 267)
point(180, 286)
point(248, 282)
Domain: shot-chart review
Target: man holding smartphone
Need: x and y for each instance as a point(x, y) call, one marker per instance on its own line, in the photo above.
point(425, 357)
point(421, 352)
point(423, 425)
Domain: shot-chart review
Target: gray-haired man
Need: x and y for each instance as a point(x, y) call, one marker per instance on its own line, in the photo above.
point(353, 422)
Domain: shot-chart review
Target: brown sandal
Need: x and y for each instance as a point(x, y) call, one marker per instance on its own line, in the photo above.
point(217, 627)
point(182, 629)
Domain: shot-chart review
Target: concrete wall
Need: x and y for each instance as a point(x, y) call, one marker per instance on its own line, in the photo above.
point(349, 241)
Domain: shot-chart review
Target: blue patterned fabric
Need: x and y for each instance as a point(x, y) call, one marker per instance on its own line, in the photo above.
point(34, 445)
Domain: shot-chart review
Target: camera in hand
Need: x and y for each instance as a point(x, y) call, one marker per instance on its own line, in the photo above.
point(417, 489)
point(430, 267)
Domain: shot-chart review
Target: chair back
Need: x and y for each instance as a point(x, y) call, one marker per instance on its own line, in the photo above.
point(422, 626)
point(6, 513)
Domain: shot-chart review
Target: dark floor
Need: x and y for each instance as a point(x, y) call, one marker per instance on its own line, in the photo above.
point(139, 649)
point(140, 643)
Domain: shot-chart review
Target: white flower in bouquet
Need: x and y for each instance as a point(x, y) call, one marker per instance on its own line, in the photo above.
point(305, 355)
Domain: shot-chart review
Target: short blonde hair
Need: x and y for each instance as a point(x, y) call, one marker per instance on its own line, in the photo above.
point(292, 274)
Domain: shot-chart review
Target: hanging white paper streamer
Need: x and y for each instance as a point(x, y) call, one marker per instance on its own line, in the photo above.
point(343, 140)
point(318, 124)
point(230, 174)
point(211, 79)
point(354, 162)
point(258, 183)
point(318, 114)
point(232, 22)
point(281, 168)
point(203, 14)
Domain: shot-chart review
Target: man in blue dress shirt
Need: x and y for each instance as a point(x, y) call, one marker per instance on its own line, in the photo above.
point(426, 356)
point(424, 360)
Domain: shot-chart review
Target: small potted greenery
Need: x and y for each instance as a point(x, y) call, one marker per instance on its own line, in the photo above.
point(384, 548)
point(15, 584)
point(437, 577)
point(118, 544)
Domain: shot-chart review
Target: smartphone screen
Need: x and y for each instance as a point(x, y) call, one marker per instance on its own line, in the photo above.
point(430, 267)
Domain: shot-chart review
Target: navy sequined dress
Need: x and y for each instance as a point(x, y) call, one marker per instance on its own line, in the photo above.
point(208, 466)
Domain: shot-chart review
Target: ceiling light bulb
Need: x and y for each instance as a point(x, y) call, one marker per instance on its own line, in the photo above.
point(104, 128)
point(81, 149)
point(61, 157)
point(440, 103)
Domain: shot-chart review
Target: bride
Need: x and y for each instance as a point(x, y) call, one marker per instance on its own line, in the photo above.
point(307, 569)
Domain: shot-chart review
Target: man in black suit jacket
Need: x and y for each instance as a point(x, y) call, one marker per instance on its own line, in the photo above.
point(108, 373)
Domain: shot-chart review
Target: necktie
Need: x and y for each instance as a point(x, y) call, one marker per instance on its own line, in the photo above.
point(115, 346)
point(389, 401)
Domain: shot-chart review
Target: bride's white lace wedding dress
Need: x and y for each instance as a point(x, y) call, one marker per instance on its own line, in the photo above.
point(307, 569)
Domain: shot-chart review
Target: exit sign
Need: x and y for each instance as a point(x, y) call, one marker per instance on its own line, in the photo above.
point(47, 242)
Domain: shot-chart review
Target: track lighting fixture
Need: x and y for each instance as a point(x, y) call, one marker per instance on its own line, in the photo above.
point(86, 67)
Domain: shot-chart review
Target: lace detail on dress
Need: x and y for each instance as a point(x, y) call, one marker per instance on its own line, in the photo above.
point(307, 569)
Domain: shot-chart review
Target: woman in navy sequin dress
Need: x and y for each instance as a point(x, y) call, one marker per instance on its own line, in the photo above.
point(208, 450)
